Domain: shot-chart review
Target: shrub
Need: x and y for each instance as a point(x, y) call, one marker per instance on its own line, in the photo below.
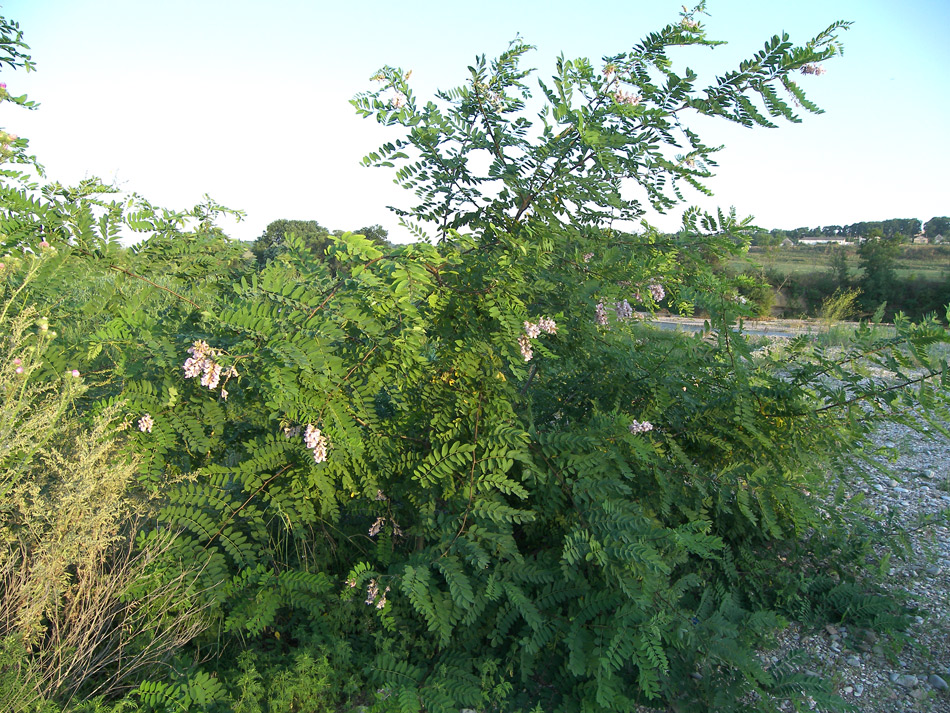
point(466, 458)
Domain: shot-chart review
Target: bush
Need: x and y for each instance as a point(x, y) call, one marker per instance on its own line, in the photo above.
point(466, 459)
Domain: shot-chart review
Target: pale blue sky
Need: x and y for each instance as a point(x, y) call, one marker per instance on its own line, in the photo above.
point(248, 101)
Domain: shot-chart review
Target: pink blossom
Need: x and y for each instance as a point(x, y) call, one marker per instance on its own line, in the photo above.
point(657, 292)
point(17, 361)
point(640, 426)
point(623, 310)
point(145, 423)
point(600, 315)
point(74, 373)
point(524, 343)
point(19, 370)
point(622, 97)
point(44, 244)
point(532, 330)
point(377, 526)
point(548, 325)
point(317, 442)
point(815, 69)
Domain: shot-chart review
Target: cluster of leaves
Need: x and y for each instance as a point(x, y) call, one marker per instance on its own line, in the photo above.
point(484, 532)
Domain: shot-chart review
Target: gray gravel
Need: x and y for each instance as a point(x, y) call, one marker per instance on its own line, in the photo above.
point(884, 676)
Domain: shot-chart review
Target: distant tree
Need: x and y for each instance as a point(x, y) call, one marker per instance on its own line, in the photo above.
point(762, 238)
point(839, 268)
point(937, 226)
point(273, 242)
point(878, 255)
point(377, 233)
point(900, 226)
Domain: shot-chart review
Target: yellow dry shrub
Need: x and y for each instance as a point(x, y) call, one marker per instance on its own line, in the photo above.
point(89, 612)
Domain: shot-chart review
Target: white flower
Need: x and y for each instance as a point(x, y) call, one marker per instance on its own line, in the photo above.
point(377, 526)
point(600, 315)
point(212, 374)
point(532, 330)
point(624, 310)
point(640, 426)
point(622, 97)
point(548, 325)
point(316, 442)
point(525, 344)
point(146, 423)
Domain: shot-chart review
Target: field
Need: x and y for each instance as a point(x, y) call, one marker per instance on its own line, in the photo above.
point(926, 262)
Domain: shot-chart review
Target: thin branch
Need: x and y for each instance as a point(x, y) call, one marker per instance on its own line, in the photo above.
point(871, 394)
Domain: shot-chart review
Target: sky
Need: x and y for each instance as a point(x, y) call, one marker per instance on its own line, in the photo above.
point(249, 101)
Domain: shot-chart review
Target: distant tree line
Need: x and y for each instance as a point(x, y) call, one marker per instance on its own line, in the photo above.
point(902, 228)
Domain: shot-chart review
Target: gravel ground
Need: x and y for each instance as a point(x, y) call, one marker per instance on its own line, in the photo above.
point(881, 676)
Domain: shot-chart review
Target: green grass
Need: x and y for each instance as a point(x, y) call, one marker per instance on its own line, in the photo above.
point(926, 262)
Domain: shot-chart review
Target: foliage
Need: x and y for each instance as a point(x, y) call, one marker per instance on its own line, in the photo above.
point(315, 238)
point(842, 305)
point(937, 226)
point(839, 268)
point(463, 470)
point(83, 612)
point(877, 260)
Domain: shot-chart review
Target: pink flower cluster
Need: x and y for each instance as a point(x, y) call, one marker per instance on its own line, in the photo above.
point(640, 426)
point(377, 526)
point(146, 423)
point(815, 69)
point(623, 310)
point(533, 331)
point(202, 362)
point(6, 141)
point(622, 97)
point(372, 592)
point(316, 442)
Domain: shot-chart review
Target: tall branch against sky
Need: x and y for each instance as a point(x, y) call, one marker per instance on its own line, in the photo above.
point(253, 108)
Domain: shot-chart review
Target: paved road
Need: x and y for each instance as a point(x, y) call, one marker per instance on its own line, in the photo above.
point(762, 328)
